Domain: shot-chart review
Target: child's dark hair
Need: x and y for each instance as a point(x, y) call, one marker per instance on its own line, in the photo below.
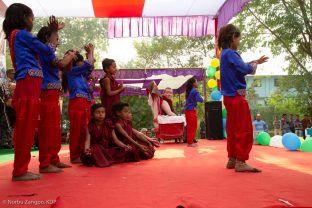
point(95, 106)
point(117, 107)
point(15, 18)
point(44, 33)
point(189, 86)
point(64, 74)
point(106, 63)
point(226, 34)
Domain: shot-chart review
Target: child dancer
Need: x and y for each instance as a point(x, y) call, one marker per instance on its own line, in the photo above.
point(233, 87)
point(192, 97)
point(142, 145)
point(50, 115)
point(110, 89)
point(24, 48)
point(79, 101)
point(99, 139)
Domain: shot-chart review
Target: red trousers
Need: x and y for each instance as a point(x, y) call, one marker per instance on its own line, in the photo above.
point(79, 115)
point(238, 127)
point(49, 128)
point(26, 102)
point(191, 125)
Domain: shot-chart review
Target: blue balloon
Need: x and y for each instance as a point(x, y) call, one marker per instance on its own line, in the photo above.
point(224, 123)
point(216, 95)
point(291, 141)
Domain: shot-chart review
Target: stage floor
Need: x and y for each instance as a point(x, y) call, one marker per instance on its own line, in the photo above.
point(177, 175)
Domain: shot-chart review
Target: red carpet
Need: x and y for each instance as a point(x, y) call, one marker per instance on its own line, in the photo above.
point(178, 175)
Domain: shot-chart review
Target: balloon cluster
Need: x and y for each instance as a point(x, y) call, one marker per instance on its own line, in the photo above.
point(290, 141)
point(212, 83)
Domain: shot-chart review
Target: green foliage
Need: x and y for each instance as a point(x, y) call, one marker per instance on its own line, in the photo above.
point(285, 27)
point(172, 52)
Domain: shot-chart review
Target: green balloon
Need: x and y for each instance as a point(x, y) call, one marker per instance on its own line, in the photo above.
point(215, 88)
point(263, 138)
point(223, 113)
point(306, 146)
point(211, 71)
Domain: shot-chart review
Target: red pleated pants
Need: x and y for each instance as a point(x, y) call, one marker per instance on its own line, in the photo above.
point(49, 128)
point(79, 115)
point(191, 125)
point(238, 127)
point(26, 102)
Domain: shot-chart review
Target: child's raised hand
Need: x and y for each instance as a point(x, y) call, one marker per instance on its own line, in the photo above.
point(61, 25)
point(53, 24)
point(262, 59)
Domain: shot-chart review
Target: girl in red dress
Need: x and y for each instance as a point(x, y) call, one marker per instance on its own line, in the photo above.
point(142, 146)
point(110, 89)
point(98, 150)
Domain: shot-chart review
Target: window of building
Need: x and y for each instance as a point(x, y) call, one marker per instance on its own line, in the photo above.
point(257, 83)
point(276, 82)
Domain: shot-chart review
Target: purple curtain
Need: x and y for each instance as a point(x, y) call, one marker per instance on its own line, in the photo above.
point(193, 26)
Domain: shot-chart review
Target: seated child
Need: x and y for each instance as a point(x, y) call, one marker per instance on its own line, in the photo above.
point(99, 136)
point(142, 146)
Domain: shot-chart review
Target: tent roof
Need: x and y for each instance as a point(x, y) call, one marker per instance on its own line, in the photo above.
point(123, 8)
point(206, 10)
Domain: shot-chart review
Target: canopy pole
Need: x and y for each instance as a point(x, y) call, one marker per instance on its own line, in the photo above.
point(180, 106)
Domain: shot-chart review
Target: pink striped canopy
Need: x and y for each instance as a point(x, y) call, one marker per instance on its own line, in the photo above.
point(134, 18)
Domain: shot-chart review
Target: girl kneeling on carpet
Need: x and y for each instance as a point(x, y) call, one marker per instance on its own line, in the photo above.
point(100, 136)
point(142, 146)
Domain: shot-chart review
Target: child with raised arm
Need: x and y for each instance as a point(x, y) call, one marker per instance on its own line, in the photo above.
point(49, 131)
point(192, 98)
point(142, 146)
point(24, 50)
point(233, 87)
point(79, 103)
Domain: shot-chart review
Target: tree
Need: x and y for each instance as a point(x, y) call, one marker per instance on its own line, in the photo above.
point(284, 26)
point(172, 52)
point(77, 33)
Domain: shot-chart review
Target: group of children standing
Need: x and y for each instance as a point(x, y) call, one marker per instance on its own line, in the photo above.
point(95, 139)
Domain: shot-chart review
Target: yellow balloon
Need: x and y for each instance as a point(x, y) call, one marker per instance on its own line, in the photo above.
point(212, 83)
point(215, 62)
point(217, 75)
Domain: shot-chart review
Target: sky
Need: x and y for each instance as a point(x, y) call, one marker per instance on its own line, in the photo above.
point(122, 50)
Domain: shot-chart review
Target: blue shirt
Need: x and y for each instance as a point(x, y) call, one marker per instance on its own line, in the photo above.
point(26, 49)
point(78, 81)
point(50, 72)
point(192, 99)
point(233, 71)
point(260, 125)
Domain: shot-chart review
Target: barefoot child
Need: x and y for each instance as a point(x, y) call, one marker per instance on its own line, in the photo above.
point(79, 101)
point(110, 89)
point(142, 146)
point(192, 98)
point(233, 87)
point(49, 131)
point(24, 50)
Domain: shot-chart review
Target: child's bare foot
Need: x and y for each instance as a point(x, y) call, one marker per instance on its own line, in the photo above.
point(231, 163)
point(28, 176)
point(75, 161)
point(61, 165)
point(50, 169)
point(242, 166)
